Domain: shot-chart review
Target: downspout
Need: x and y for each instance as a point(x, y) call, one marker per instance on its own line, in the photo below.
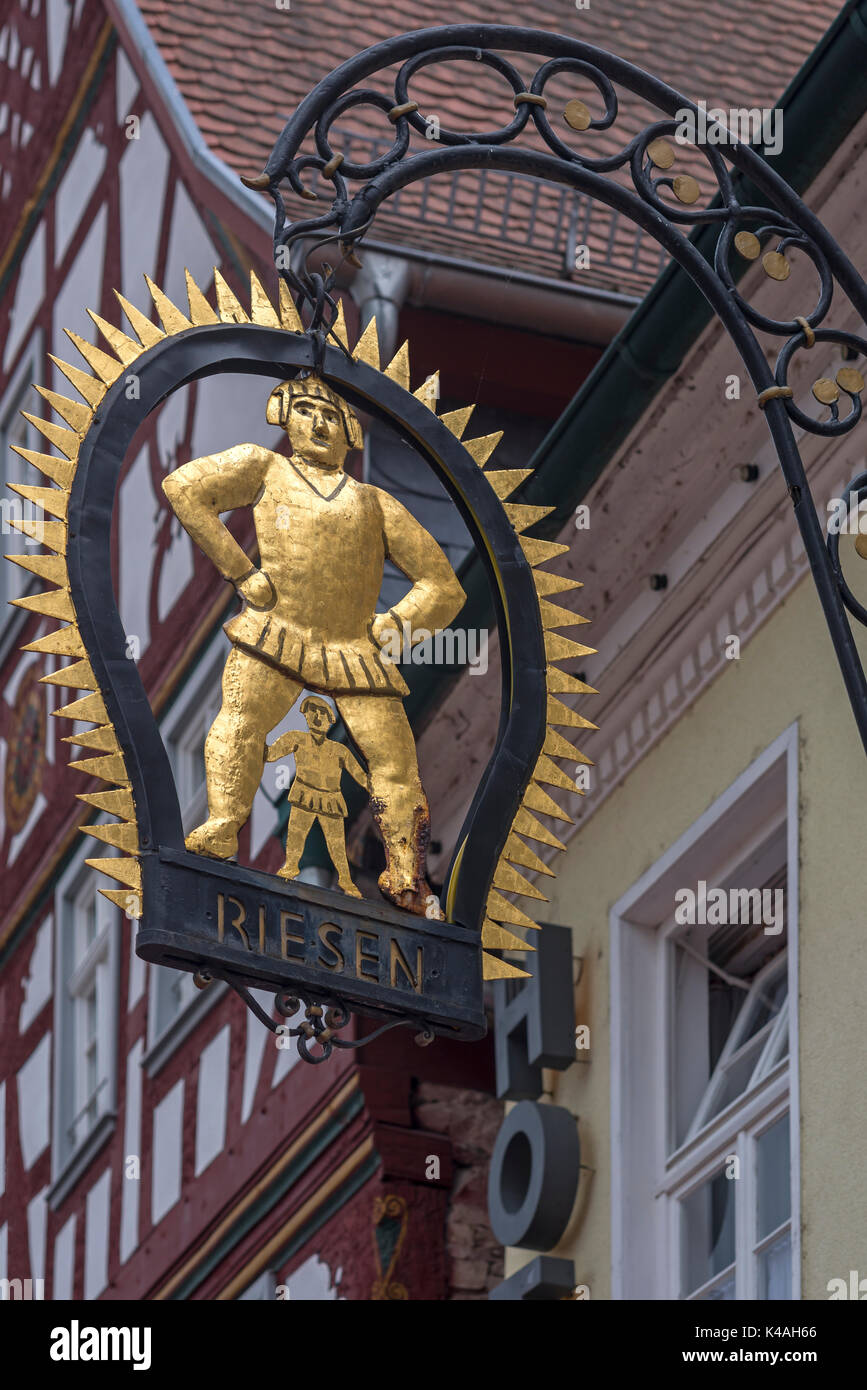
point(379, 289)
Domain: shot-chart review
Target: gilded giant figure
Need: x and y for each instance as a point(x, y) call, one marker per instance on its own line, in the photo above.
point(309, 618)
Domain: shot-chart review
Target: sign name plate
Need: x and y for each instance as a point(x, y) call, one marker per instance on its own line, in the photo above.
point(306, 938)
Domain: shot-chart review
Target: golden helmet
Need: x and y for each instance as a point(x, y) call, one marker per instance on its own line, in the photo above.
point(312, 387)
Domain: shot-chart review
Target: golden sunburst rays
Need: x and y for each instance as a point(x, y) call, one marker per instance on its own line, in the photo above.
point(101, 756)
point(518, 854)
point(501, 913)
point(99, 753)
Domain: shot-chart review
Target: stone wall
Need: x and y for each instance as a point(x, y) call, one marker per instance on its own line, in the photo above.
point(470, 1120)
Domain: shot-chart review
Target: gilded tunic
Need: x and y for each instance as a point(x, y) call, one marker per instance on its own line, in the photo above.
point(323, 542)
point(319, 764)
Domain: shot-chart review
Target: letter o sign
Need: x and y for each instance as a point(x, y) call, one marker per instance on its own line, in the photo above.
point(534, 1176)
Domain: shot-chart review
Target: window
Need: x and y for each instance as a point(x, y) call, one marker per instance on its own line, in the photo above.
point(186, 746)
point(85, 1016)
point(184, 731)
point(704, 966)
point(745, 1034)
point(735, 1222)
point(14, 429)
point(733, 1208)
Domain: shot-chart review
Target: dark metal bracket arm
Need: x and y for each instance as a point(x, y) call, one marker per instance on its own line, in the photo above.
point(661, 202)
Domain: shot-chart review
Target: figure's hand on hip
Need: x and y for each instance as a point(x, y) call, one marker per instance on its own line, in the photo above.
point(385, 630)
point(258, 590)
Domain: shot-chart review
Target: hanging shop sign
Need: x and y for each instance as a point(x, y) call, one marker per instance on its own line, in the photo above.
point(307, 628)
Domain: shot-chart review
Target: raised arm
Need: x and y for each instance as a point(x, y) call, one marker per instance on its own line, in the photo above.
point(203, 488)
point(284, 745)
point(436, 596)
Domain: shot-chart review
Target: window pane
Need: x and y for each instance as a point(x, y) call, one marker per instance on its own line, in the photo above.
point(197, 763)
point(90, 1004)
point(722, 1292)
point(717, 1004)
point(187, 750)
point(182, 989)
point(174, 989)
point(737, 1074)
point(692, 1056)
point(772, 1178)
point(767, 1004)
point(85, 924)
point(707, 1231)
point(775, 1269)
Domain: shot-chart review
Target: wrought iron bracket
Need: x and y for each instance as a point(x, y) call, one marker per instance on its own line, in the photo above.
point(660, 194)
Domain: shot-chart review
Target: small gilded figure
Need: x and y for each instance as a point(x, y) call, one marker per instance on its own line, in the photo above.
point(315, 792)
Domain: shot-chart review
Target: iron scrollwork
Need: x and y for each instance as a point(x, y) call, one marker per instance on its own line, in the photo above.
point(660, 201)
point(324, 1018)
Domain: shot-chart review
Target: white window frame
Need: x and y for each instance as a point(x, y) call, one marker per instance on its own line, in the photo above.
point(16, 581)
point(747, 847)
point(645, 1171)
point(180, 728)
point(87, 983)
point(71, 1153)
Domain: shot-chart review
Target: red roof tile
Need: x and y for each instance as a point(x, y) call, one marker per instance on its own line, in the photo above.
point(244, 65)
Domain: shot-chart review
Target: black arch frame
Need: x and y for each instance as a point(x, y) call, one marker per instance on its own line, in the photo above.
point(277, 354)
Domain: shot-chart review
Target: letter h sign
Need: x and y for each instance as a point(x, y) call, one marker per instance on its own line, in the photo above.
point(534, 1020)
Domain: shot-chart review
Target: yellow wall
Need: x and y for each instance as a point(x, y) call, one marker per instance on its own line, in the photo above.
point(788, 671)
